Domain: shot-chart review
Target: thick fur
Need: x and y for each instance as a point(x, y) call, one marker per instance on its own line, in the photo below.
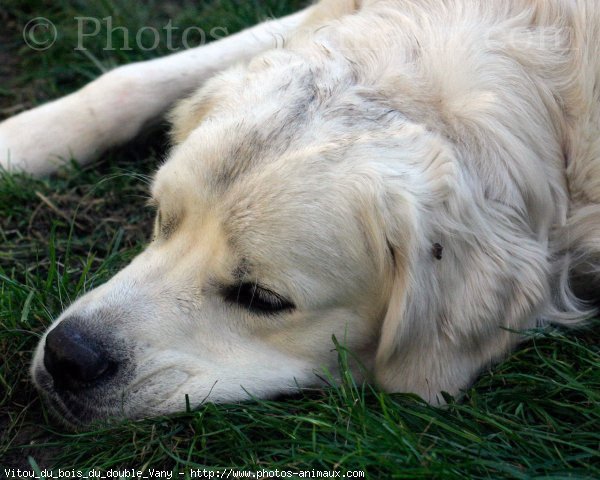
point(420, 177)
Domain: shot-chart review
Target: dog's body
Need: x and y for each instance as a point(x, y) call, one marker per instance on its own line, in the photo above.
point(419, 178)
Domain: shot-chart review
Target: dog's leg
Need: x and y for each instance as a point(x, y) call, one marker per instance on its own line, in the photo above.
point(116, 106)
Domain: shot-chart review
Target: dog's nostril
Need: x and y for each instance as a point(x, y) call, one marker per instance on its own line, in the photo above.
point(72, 359)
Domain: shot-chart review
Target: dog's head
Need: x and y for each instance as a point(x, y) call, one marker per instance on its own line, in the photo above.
point(295, 206)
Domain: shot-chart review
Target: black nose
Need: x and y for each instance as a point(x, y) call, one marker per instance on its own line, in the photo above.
point(73, 359)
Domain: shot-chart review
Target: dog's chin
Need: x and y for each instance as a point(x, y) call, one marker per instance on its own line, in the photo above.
point(105, 405)
point(60, 409)
point(75, 411)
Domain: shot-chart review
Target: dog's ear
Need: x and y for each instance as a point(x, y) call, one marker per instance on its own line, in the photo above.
point(207, 101)
point(464, 273)
point(189, 113)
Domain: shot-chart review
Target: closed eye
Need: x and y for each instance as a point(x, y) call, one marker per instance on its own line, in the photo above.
point(257, 299)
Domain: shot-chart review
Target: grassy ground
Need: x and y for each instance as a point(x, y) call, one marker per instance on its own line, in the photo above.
point(537, 415)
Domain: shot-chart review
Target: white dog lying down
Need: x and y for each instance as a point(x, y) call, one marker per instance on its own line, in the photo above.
point(419, 178)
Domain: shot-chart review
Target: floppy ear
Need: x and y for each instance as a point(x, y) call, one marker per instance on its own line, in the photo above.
point(464, 271)
point(189, 113)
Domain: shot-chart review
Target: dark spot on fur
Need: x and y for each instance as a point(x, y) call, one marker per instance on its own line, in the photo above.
point(437, 250)
point(255, 140)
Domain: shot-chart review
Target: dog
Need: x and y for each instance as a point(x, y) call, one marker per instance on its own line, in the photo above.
point(418, 178)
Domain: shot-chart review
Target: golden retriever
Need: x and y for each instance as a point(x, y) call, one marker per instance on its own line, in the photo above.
point(419, 178)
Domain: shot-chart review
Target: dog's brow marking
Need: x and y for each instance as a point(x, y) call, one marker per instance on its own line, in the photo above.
point(242, 271)
point(169, 225)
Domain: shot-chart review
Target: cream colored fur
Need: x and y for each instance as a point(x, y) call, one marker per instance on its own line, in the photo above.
point(331, 171)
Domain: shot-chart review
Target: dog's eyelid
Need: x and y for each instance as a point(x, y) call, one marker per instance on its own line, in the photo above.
point(257, 298)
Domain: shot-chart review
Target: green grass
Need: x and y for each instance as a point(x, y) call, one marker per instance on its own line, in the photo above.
point(536, 415)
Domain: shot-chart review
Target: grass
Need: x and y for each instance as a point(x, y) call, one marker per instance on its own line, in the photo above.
point(536, 415)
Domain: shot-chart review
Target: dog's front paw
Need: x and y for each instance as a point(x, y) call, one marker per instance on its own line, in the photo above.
point(39, 140)
point(105, 113)
point(15, 157)
point(30, 143)
point(4, 154)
